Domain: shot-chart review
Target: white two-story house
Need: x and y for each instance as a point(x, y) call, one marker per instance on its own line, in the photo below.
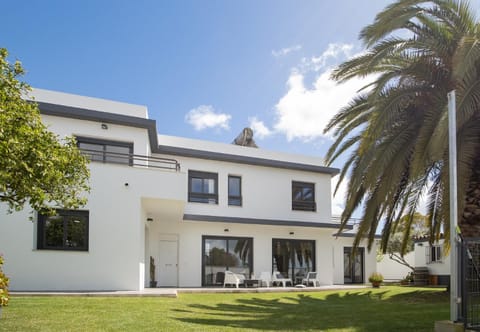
point(196, 208)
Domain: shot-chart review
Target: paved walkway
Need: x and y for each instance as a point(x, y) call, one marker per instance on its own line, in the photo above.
point(173, 292)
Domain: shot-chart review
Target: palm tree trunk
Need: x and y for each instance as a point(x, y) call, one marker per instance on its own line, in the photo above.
point(470, 220)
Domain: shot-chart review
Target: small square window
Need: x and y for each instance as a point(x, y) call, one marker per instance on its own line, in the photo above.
point(67, 230)
point(234, 190)
point(303, 196)
point(202, 187)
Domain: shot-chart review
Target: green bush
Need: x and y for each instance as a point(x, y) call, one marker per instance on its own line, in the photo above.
point(375, 277)
point(3, 285)
point(409, 277)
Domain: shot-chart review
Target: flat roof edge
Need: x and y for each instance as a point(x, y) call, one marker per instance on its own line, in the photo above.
point(350, 235)
point(92, 115)
point(256, 221)
point(210, 155)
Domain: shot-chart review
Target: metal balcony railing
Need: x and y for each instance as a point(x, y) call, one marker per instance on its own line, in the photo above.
point(304, 206)
point(131, 159)
point(351, 221)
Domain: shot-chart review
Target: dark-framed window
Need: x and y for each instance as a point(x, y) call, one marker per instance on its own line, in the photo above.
point(293, 258)
point(106, 151)
point(225, 253)
point(67, 230)
point(202, 187)
point(234, 190)
point(303, 196)
point(434, 254)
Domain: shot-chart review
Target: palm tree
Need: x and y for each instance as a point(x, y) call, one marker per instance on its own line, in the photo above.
point(418, 228)
point(396, 128)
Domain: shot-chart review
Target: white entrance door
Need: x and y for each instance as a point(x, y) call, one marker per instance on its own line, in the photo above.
point(168, 264)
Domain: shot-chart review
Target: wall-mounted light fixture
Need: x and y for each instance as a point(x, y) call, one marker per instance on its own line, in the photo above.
point(226, 230)
point(104, 126)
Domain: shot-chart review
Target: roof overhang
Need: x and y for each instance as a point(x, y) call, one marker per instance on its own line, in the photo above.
point(256, 221)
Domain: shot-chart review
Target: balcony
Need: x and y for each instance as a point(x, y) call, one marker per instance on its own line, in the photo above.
point(131, 159)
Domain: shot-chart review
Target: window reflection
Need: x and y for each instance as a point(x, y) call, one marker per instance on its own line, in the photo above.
point(226, 253)
point(293, 258)
point(68, 230)
point(234, 190)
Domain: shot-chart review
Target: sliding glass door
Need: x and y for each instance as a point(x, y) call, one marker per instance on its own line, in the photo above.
point(293, 258)
point(225, 253)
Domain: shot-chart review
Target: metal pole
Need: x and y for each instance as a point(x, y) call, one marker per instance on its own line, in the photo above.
point(452, 143)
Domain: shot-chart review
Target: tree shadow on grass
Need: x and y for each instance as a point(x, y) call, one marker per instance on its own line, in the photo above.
point(358, 311)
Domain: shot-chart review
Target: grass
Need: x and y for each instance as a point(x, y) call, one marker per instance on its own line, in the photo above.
point(389, 308)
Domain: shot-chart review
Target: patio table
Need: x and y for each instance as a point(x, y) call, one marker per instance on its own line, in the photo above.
point(251, 282)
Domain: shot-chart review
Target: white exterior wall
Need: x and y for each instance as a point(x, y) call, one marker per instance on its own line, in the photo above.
point(392, 270)
point(92, 129)
point(370, 262)
point(266, 194)
point(435, 268)
point(115, 259)
point(266, 191)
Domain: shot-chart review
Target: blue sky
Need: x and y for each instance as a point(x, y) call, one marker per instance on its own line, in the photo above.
point(205, 69)
point(220, 57)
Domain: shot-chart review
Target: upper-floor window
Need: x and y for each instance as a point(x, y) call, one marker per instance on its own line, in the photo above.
point(202, 187)
point(434, 254)
point(67, 230)
point(303, 196)
point(106, 151)
point(234, 190)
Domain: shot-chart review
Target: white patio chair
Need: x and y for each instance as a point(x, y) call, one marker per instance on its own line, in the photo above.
point(233, 279)
point(312, 278)
point(277, 277)
point(265, 279)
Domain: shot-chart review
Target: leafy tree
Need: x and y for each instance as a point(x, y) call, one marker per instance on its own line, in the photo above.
point(219, 257)
point(396, 128)
point(36, 166)
point(395, 249)
point(4, 296)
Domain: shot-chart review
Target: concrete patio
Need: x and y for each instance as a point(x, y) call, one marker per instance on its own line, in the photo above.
point(173, 292)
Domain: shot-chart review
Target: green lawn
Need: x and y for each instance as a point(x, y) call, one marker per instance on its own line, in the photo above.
point(389, 308)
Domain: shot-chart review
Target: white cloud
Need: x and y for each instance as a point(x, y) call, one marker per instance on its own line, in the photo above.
point(332, 53)
point(304, 111)
point(311, 98)
point(204, 116)
point(286, 50)
point(259, 129)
